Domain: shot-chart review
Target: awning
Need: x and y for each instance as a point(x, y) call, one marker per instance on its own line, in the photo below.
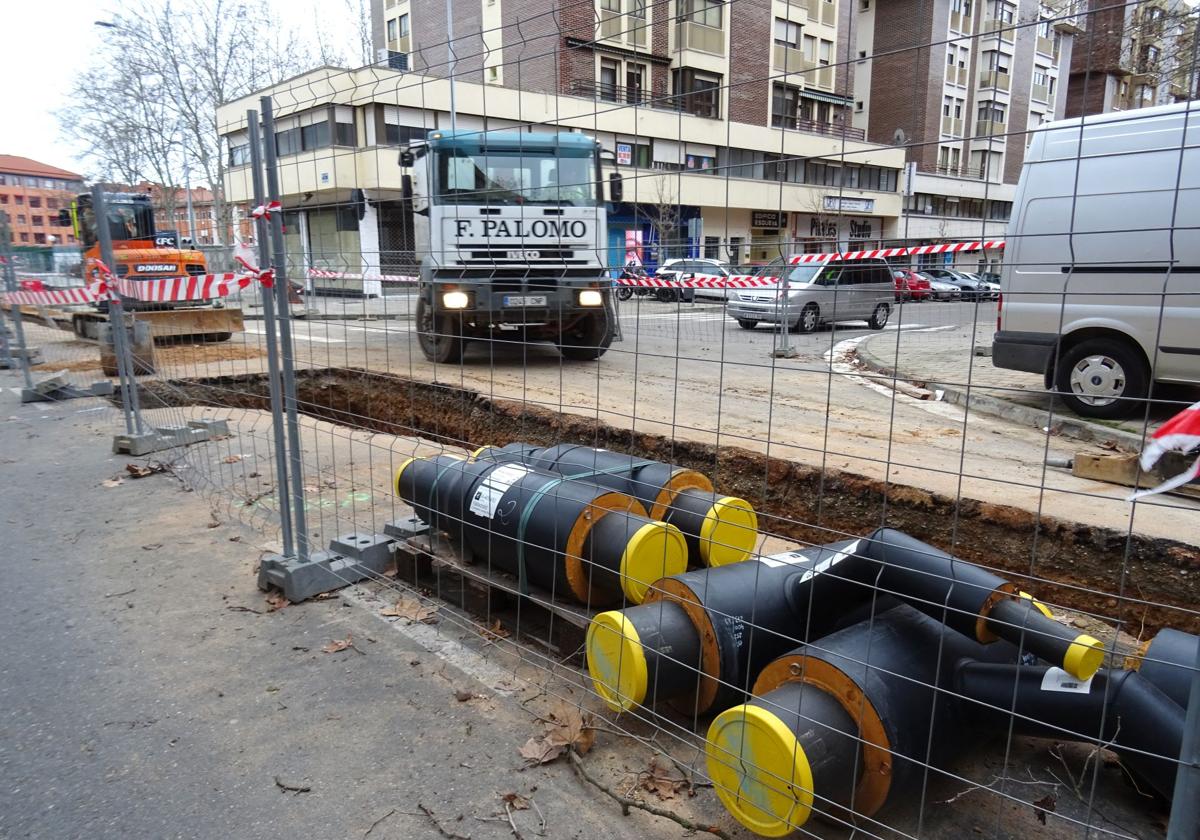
point(598, 46)
point(820, 96)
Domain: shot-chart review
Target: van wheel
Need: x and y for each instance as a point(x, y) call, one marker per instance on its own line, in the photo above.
point(1102, 378)
point(440, 337)
point(879, 317)
point(810, 317)
point(665, 295)
point(746, 323)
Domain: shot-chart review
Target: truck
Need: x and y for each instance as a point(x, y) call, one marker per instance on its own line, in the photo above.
point(1100, 289)
point(141, 252)
point(511, 233)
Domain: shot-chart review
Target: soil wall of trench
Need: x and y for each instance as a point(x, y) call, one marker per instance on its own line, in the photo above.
point(795, 500)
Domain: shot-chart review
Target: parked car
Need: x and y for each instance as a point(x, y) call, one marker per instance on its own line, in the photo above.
point(940, 289)
point(857, 290)
point(969, 288)
point(1101, 292)
point(911, 286)
point(682, 268)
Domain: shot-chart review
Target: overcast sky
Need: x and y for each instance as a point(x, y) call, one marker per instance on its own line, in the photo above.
point(43, 45)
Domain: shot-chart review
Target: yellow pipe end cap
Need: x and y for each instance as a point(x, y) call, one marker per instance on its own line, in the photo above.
point(616, 661)
point(1084, 657)
point(400, 472)
point(475, 454)
point(655, 551)
point(729, 532)
point(759, 770)
point(1037, 605)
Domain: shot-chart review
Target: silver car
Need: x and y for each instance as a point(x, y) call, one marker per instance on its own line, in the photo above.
point(858, 290)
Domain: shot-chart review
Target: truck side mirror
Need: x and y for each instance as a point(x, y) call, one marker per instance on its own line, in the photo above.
point(616, 188)
point(407, 158)
point(406, 187)
point(64, 218)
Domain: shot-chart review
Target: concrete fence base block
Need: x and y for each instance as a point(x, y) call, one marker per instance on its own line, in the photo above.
point(325, 571)
point(142, 444)
point(403, 529)
point(215, 428)
point(182, 435)
point(56, 389)
point(33, 355)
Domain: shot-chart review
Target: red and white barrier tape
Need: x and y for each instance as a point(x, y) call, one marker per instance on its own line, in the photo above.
point(910, 251)
point(323, 274)
point(701, 281)
point(264, 211)
point(58, 296)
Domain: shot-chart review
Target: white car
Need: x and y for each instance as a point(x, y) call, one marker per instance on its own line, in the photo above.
point(683, 268)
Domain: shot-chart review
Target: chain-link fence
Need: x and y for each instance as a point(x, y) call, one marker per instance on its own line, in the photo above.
point(708, 366)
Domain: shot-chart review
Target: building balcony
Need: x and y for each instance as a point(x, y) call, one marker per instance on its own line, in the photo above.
point(1045, 46)
point(991, 80)
point(402, 44)
point(952, 126)
point(840, 130)
point(1071, 16)
point(993, 129)
point(659, 100)
point(958, 76)
point(791, 60)
point(1040, 93)
point(967, 172)
point(1007, 33)
point(960, 22)
point(697, 36)
point(624, 29)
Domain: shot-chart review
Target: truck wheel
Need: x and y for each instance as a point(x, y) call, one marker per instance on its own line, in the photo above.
point(588, 340)
point(1102, 378)
point(747, 323)
point(440, 337)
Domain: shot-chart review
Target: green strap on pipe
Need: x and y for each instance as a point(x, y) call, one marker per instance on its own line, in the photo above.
point(539, 494)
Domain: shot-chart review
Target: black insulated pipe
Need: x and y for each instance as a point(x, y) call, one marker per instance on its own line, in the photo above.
point(572, 538)
point(1168, 662)
point(740, 617)
point(1119, 710)
point(977, 603)
point(879, 720)
point(719, 529)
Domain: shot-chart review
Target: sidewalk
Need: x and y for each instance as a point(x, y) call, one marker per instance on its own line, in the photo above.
point(958, 363)
point(397, 306)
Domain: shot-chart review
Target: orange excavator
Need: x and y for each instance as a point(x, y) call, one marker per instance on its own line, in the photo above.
point(143, 253)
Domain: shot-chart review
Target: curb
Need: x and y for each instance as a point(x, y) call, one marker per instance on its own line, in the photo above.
point(1067, 425)
point(327, 317)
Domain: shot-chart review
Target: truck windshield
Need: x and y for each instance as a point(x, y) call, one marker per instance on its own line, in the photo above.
point(502, 177)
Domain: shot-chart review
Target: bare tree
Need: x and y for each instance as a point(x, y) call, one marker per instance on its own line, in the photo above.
point(666, 218)
point(151, 94)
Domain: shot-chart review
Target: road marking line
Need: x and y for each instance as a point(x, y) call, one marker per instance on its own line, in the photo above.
point(298, 336)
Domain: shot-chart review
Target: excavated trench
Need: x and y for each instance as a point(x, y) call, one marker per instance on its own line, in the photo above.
point(795, 501)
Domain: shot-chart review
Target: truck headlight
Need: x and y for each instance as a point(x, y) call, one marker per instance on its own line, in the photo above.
point(455, 300)
point(591, 297)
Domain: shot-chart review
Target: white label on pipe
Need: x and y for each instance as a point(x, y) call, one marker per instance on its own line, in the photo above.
point(793, 558)
point(1057, 679)
point(492, 489)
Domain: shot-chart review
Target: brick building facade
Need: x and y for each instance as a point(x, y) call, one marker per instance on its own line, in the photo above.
point(32, 193)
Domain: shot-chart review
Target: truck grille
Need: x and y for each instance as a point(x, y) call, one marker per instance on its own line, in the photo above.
point(499, 256)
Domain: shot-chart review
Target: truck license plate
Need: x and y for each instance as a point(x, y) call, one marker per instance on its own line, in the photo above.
point(524, 300)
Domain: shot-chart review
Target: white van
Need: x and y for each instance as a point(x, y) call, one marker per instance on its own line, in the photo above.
point(1100, 290)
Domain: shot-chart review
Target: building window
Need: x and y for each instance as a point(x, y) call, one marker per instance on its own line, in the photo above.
point(864, 5)
point(862, 56)
point(697, 93)
point(826, 54)
point(992, 111)
point(858, 106)
point(286, 142)
point(637, 9)
point(392, 30)
point(37, 221)
point(609, 73)
point(35, 201)
point(51, 203)
point(20, 200)
point(635, 83)
point(39, 238)
point(315, 136)
point(1001, 11)
point(21, 219)
point(24, 237)
point(787, 33)
point(784, 102)
point(3, 199)
point(344, 134)
point(712, 247)
point(613, 6)
point(3, 180)
point(707, 12)
point(240, 155)
point(997, 62)
point(403, 25)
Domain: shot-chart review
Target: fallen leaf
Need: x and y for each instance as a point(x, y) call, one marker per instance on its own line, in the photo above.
point(138, 471)
point(232, 459)
point(112, 482)
point(1043, 806)
point(540, 751)
point(324, 596)
point(411, 609)
point(515, 801)
point(462, 695)
point(660, 779)
point(151, 546)
point(572, 728)
point(276, 601)
point(496, 631)
point(339, 645)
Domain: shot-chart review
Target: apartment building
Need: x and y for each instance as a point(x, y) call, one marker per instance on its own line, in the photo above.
point(1135, 55)
point(32, 193)
point(960, 84)
point(752, 150)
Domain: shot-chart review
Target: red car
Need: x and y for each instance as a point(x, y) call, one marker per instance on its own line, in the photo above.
point(911, 286)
